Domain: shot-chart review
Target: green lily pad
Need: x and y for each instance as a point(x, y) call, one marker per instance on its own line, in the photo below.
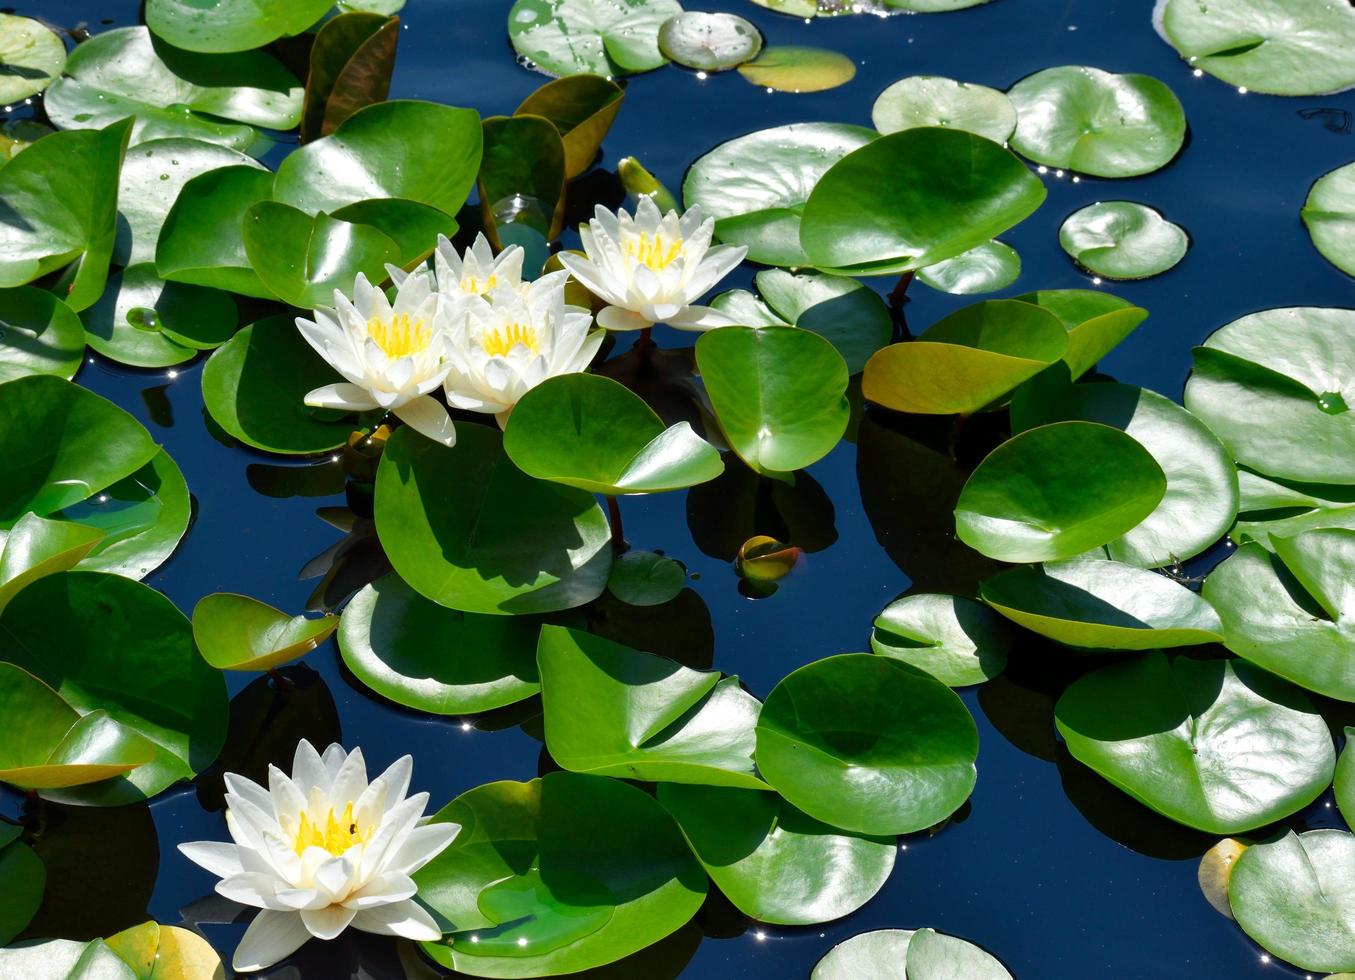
point(1329, 214)
point(415, 151)
point(591, 432)
point(107, 643)
point(255, 384)
point(1289, 611)
point(469, 530)
point(23, 878)
point(966, 362)
point(425, 656)
point(598, 37)
point(202, 239)
point(169, 93)
point(522, 177)
point(643, 578)
point(235, 632)
point(649, 718)
point(709, 42)
point(1096, 322)
point(1202, 495)
point(238, 26)
point(413, 227)
point(868, 744)
point(1294, 896)
point(582, 108)
point(756, 186)
point(304, 259)
point(35, 547)
point(774, 863)
point(984, 268)
point(1103, 605)
point(933, 6)
point(1276, 387)
point(65, 959)
point(146, 322)
point(60, 201)
point(63, 444)
point(956, 640)
point(912, 199)
point(1122, 240)
point(795, 68)
point(779, 394)
point(1097, 122)
point(155, 952)
point(351, 63)
point(1345, 779)
point(899, 954)
point(38, 335)
point(32, 56)
point(1216, 745)
point(1281, 47)
point(850, 316)
point(1056, 491)
point(565, 873)
point(929, 100)
point(1286, 508)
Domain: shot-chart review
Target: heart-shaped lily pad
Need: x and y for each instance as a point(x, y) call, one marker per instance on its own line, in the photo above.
point(1329, 214)
point(984, 268)
point(35, 547)
point(239, 26)
point(956, 640)
point(32, 56)
point(797, 68)
point(599, 37)
point(1122, 240)
point(709, 42)
point(899, 954)
point(582, 108)
point(849, 315)
point(1096, 322)
point(929, 100)
point(304, 259)
point(235, 632)
point(39, 334)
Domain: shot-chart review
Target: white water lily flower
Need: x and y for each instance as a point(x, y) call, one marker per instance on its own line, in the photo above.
point(506, 342)
point(652, 267)
point(478, 271)
point(392, 355)
point(323, 850)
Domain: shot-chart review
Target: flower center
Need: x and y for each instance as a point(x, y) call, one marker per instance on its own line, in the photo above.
point(335, 835)
point(655, 252)
point(399, 336)
point(499, 341)
point(476, 286)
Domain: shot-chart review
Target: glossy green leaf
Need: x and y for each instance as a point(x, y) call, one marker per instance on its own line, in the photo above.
point(35, 547)
point(565, 873)
point(350, 67)
point(1285, 508)
point(868, 744)
point(756, 186)
point(107, 642)
point(1056, 491)
point(708, 42)
point(469, 530)
point(63, 444)
point(984, 268)
point(143, 321)
point(254, 387)
point(1345, 779)
point(1096, 322)
point(1329, 214)
point(304, 259)
point(156, 952)
point(1295, 897)
point(773, 862)
point(914, 198)
point(1288, 612)
point(954, 639)
point(795, 68)
point(1283, 47)
point(643, 578)
point(850, 316)
point(598, 37)
point(60, 201)
point(202, 240)
point(413, 227)
point(1202, 496)
point(1097, 122)
point(425, 656)
point(1103, 605)
point(898, 954)
point(237, 26)
point(1122, 240)
point(32, 56)
point(582, 108)
point(235, 632)
point(38, 335)
point(22, 879)
point(779, 394)
point(170, 93)
point(929, 100)
point(590, 432)
point(522, 175)
point(416, 151)
point(966, 362)
point(1276, 387)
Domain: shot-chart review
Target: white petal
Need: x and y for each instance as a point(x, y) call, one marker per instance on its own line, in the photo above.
point(349, 781)
point(424, 844)
point(342, 395)
point(407, 919)
point(615, 318)
point(288, 800)
point(271, 937)
point(335, 877)
point(302, 898)
point(248, 789)
point(698, 318)
point(392, 834)
point(328, 922)
point(333, 758)
point(251, 888)
point(396, 778)
point(428, 417)
point(221, 859)
point(383, 889)
point(308, 771)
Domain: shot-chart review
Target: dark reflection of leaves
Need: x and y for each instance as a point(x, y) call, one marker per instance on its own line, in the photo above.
point(595, 187)
point(666, 379)
point(266, 723)
point(718, 918)
point(739, 504)
point(310, 480)
point(1019, 703)
point(158, 407)
point(355, 560)
point(101, 865)
point(909, 484)
point(679, 629)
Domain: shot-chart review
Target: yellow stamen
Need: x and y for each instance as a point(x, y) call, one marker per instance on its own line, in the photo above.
point(499, 341)
point(656, 253)
point(336, 835)
point(399, 336)
point(478, 287)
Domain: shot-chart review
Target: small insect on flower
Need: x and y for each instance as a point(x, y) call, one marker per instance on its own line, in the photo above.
point(322, 850)
point(652, 267)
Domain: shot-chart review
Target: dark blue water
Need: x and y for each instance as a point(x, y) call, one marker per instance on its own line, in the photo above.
point(1049, 868)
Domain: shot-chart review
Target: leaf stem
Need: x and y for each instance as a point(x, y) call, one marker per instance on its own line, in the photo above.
point(614, 521)
point(897, 298)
